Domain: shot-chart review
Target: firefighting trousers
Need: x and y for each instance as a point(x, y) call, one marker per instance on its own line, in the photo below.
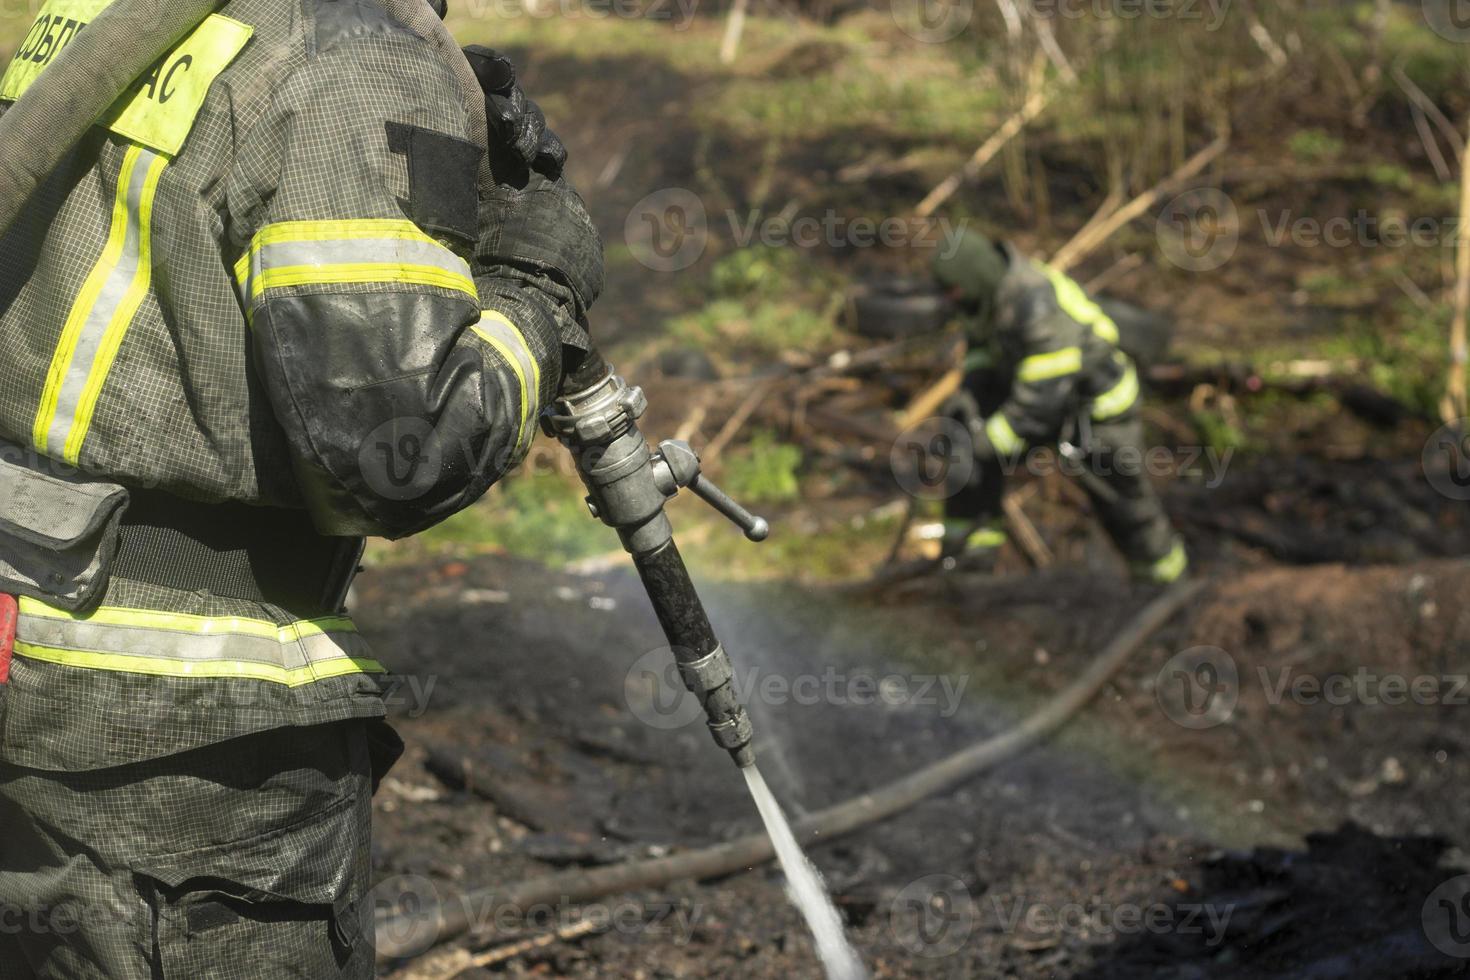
point(243, 860)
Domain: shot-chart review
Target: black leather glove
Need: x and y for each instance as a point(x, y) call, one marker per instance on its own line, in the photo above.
point(514, 119)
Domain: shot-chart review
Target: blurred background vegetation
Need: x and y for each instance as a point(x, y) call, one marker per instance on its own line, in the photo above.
point(860, 109)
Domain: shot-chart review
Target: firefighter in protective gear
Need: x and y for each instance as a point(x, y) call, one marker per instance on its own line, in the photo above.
point(275, 302)
point(1043, 366)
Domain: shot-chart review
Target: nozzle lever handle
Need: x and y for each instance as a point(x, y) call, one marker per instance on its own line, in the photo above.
point(676, 465)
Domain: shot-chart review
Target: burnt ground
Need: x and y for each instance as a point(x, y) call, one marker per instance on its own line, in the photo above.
point(1298, 828)
point(1288, 833)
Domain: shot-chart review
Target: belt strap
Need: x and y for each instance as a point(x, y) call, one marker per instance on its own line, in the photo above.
point(235, 551)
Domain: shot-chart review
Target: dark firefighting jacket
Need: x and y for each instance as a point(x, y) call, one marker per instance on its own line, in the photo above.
point(266, 280)
point(1061, 352)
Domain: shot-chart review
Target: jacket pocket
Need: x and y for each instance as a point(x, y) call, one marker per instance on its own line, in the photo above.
point(57, 536)
point(285, 904)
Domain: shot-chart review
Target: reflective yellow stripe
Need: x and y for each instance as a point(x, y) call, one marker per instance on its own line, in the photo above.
point(1049, 366)
point(356, 229)
point(353, 252)
point(1002, 436)
point(121, 320)
point(1119, 398)
point(185, 645)
point(497, 331)
point(159, 109)
point(1168, 568)
point(187, 623)
point(1075, 302)
point(165, 667)
point(985, 538)
point(356, 273)
point(102, 312)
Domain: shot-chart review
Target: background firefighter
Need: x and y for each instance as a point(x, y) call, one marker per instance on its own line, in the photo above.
point(246, 326)
point(1044, 366)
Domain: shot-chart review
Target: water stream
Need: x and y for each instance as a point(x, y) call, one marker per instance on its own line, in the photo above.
point(804, 885)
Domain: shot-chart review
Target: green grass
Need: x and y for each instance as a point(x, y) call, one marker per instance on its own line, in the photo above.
point(760, 302)
point(538, 516)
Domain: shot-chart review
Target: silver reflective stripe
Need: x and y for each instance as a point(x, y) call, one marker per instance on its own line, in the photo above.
point(145, 643)
point(94, 328)
point(373, 251)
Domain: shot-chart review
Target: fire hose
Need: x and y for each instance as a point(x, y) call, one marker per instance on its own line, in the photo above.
point(456, 913)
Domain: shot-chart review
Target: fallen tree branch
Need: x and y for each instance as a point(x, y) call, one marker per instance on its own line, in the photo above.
point(1024, 533)
point(1030, 109)
point(1087, 240)
point(734, 29)
point(462, 911)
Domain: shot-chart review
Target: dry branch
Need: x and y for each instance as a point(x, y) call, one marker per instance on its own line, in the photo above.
point(1024, 533)
point(734, 28)
point(1088, 240)
point(930, 399)
point(1453, 406)
point(1030, 109)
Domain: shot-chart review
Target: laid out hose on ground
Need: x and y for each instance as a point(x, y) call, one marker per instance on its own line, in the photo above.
point(118, 47)
point(401, 936)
